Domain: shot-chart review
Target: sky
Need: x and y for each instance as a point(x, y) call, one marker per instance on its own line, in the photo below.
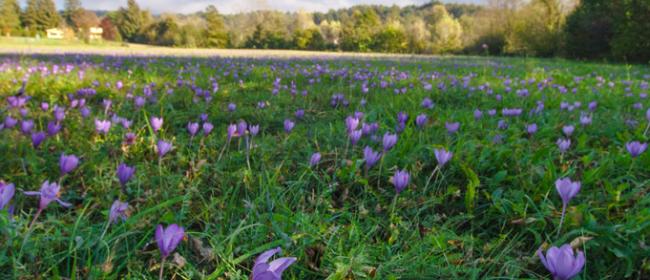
point(234, 6)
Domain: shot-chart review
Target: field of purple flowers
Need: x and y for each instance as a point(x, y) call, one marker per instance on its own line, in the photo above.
point(122, 167)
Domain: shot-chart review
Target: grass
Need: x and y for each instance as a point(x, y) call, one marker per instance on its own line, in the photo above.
point(483, 215)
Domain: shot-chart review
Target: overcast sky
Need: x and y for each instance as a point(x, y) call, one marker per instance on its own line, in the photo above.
point(234, 6)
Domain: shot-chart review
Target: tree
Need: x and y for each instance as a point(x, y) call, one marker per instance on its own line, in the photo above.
point(29, 17)
point(83, 20)
point(358, 31)
point(164, 32)
point(71, 7)
point(215, 33)
point(9, 16)
point(47, 15)
point(308, 39)
point(447, 31)
point(390, 39)
point(130, 20)
point(110, 31)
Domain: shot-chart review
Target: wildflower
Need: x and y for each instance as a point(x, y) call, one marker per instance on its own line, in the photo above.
point(124, 173)
point(49, 192)
point(231, 131)
point(389, 141)
point(531, 129)
point(370, 157)
point(192, 128)
point(562, 262)
point(563, 144)
point(443, 156)
point(207, 128)
point(421, 120)
point(156, 123)
point(636, 148)
point(315, 159)
point(400, 180)
point(288, 125)
point(254, 129)
point(38, 138)
point(355, 136)
point(568, 130)
point(265, 270)
point(163, 148)
point(567, 189)
point(118, 210)
point(452, 127)
point(7, 192)
point(168, 238)
point(68, 163)
point(102, 126)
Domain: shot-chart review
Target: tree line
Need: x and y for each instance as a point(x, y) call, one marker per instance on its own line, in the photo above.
point(587, 29)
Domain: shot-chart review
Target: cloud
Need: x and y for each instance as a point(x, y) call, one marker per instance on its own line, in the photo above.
point(235, 6)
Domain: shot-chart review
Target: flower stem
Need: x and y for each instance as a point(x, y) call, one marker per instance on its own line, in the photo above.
point(38, 213)
point(162, 266)
point(559, 228)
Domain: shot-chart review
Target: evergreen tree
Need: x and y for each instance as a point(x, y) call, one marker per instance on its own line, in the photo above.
point(9, 16)
point(47, 15)
point(130, 20)
point(71, 7)
point(29, 17)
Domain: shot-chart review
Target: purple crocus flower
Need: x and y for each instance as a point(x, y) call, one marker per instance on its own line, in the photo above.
point(585, 119)
point(421, 120)
point(265, 270)
point(300, 113)
point(427, 103)
point(124, 173)
point(102, 126)
point(129, 138)
point(562, 262)
point(45, 106)
point(193, 128)
point(478, 114)
point(567, 189)
point(59, 114)
point(288, 125)
point(568, 130)
point(452, 127)
point(232, 107)
point(355, 136)
point(156, 123)
point(563, 144)
point(442, 156)
point(635, 148)
point(118, 211)
point(254, 129)
point(68, 163)
point(370, 157)
point(49, 192)
point(593, 105)
point(38, 138)
point(402, 117)
point(163, 148)
point(231, 131)
point(53, 128)
point(242, 126)
point(10, 122)
point(389, 141)
point(401, 180)
point(647, 114)
point(85, 112)
point(6, 193)
point(26, 126)
point(207, 128)
point(531, 128)
point(315, 159)
point(168, 238)
point(351, 123)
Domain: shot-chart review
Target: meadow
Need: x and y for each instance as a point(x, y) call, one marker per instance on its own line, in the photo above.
point(356, 168)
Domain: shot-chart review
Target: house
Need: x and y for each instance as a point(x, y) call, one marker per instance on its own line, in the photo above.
point(54, 33)
point(95, 33)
